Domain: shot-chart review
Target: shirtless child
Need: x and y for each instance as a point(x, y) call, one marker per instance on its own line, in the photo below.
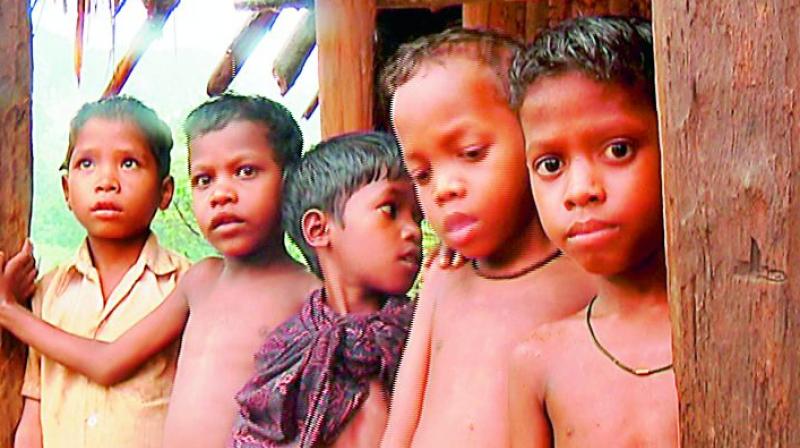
point(325, 376)
point(603, 376)
point(239, 147)
point(463, 147)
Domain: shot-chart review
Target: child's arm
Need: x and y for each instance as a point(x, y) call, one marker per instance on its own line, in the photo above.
point(103, 362)
point(530, 426)
point(29, 430)
point(412, 375)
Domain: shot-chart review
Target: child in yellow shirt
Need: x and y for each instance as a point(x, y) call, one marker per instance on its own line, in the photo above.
point(116, 178)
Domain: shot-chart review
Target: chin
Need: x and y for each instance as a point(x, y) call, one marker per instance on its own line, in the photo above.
point(599, 265)
point(477, 248)
point(114, 234)
point(396, 288)
point(235, 249)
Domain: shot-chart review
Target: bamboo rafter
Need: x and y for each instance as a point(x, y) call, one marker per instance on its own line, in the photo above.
point(433, 5)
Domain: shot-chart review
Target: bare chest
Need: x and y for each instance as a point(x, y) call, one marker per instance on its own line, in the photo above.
point(467, 389)
point(225, 329)
point(591, 401)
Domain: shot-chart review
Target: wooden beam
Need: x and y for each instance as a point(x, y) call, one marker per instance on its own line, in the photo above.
point(239, 50)
point(312, 106)
point(433, 5)
point(345, 33)
point(151, 29)
point(535, 19)
point(503, 16)
point(16, 186)
point(728, 77)
point(619, 6)
point(291, 58)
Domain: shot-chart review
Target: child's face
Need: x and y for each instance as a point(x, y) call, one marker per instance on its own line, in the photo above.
point(464, 149)
point(112, 184)
point(236, 188)
point(592, 151)
point(379, 245)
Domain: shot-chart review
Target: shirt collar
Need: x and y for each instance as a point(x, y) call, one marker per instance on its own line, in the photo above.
point(153, 256)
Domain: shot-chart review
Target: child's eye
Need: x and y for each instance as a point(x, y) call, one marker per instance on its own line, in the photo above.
point(200, 180)
point(84, 164)
point(618, 151)
point(472, 152)
point(419, 176)
point(130, 163)
point(389, 209)
point(246, 171)
point(548, 166)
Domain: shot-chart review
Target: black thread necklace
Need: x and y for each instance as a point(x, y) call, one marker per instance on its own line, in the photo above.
point(631, 370)
point(538, 264)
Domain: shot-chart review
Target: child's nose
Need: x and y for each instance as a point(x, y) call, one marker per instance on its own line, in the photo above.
point(411, 232)
point(447, 187)
point(584, 188)
point(222, 195)
point(106, 181)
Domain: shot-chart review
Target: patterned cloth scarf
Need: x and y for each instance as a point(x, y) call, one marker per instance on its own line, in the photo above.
point(312, 373)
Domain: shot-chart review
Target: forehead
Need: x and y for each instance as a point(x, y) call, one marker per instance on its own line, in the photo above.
point(572, 103)
point(105, 132)
point(400, 189)
point(445, 96)
point(236, 136)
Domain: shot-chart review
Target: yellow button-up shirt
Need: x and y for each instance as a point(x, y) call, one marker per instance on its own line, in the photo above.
point(76, 412)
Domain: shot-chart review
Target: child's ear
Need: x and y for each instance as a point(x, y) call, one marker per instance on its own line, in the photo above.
point(315, 228)
point(167, 190)
point(65, 189)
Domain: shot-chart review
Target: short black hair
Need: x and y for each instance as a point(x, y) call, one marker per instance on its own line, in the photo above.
point(608, 48)
point(330, 173)
point(493, 49)
point(283, 132)
point(129, 109)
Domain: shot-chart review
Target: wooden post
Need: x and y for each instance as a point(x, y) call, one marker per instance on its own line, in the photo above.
point(16, 186)
point(728, 83)
point(524, 19)
point(504, 16)
point(345, 41)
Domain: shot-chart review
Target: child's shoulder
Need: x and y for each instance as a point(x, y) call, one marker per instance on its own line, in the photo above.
point(549, 340)
point(174, 259)
point(207, 268)
point(202, 273)
point(439, 278)
point(47, 281)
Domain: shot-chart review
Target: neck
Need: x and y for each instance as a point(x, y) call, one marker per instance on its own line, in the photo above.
point(643, 286)
point(115, 254)
point(345, 295)
point(272, 255)
point(346, 299)
point(527, 246)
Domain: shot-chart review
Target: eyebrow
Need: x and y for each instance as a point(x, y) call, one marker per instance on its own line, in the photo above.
point(617, 127)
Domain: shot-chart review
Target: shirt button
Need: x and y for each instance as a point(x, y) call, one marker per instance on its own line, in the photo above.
point(92, 420)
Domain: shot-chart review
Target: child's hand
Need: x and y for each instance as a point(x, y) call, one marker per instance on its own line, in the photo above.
point(18, 275)
point(448, 258)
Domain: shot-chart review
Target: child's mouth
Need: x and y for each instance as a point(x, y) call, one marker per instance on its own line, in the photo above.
point(459, 227)
point(105, 209)
point(590, 231)
point(223, 220)
point(411, 257)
